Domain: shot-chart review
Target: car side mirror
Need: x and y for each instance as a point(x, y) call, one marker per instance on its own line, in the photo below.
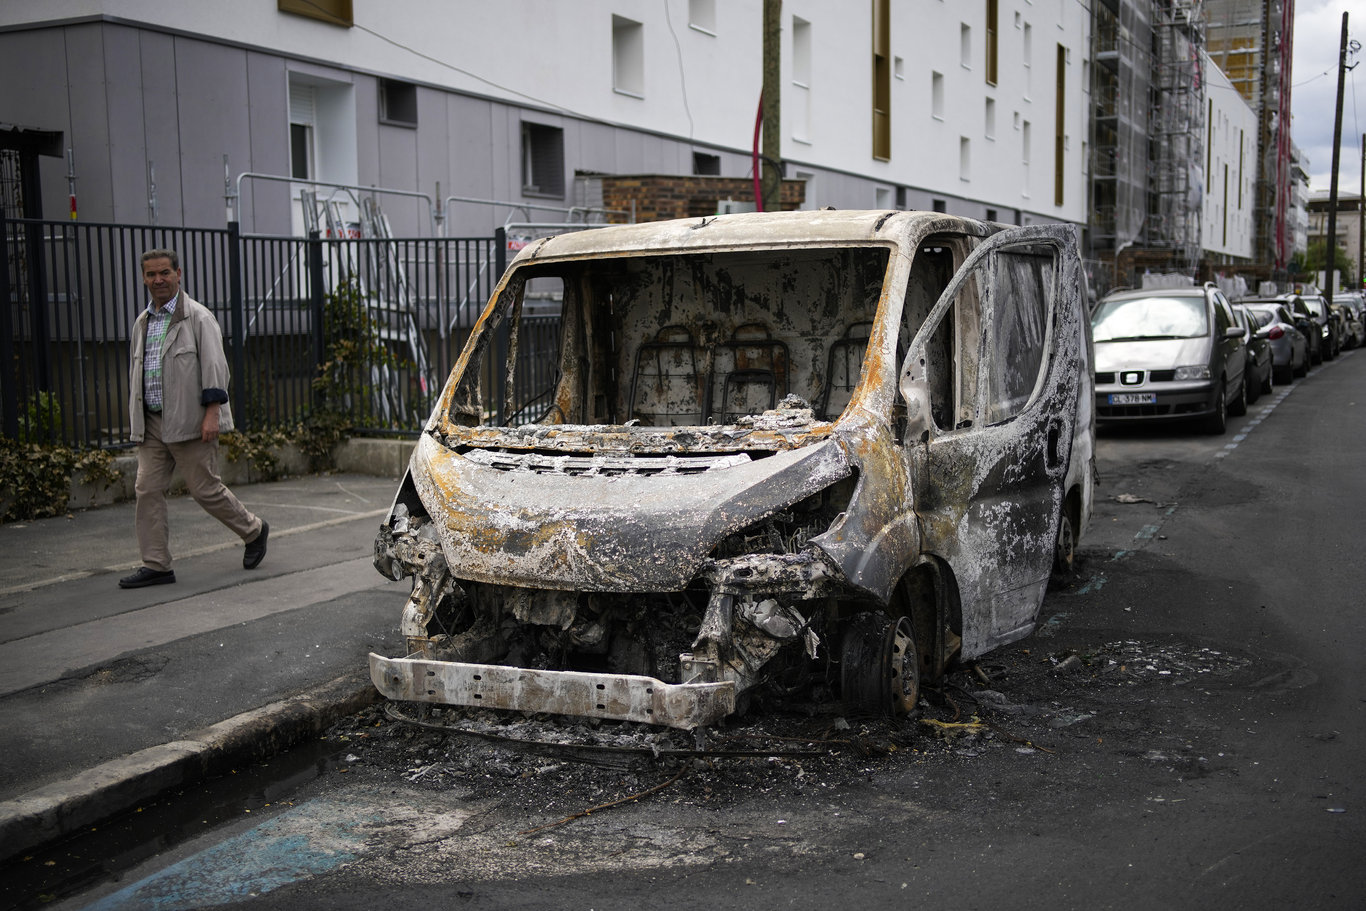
point(1233, 332)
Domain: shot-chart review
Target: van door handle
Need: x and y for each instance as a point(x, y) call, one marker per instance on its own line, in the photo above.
point(1052, 453)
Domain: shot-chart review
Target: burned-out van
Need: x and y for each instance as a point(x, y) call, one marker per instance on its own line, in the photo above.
point(683, 464)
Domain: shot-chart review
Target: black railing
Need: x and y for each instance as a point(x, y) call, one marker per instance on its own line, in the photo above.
point(69, 293)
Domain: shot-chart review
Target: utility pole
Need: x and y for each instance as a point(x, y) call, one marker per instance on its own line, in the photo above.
point(1331, 247)
point(771, 187)
point(1361, 219)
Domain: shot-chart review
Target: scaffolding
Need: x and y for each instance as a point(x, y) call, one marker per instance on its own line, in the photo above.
point(1122, 41)
point(1177, 133)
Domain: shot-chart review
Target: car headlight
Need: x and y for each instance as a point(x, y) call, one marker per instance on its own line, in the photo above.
point(1192, 373)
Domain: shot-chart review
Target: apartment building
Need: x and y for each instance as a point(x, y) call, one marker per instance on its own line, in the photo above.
point(189, 113)
point(1229, 172)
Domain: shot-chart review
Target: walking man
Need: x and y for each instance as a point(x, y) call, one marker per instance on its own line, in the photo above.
point(178, 404)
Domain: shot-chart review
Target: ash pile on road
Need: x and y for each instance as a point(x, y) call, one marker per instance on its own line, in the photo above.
point(1021, 700)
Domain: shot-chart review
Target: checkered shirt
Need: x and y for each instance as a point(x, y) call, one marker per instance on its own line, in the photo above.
point(157, 324)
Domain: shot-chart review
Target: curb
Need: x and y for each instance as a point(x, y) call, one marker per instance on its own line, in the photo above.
point(60, 808)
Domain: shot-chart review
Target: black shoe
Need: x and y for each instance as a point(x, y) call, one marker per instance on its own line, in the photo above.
point(146, 576)
point(256, 550)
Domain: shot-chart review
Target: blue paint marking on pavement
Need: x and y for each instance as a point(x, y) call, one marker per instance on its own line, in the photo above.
point(293, 846)
point(1093, 584)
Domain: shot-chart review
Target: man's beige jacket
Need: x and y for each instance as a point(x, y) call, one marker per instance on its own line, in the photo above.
point(194, 373)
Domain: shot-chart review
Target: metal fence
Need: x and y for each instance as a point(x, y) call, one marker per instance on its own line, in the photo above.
point(70, 291)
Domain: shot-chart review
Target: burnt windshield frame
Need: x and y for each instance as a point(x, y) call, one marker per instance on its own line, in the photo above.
point(755, 323)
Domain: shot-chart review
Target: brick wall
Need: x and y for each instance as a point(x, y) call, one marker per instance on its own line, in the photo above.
point(661, 196)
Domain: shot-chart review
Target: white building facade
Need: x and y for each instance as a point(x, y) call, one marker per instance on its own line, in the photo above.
point(974, 107)
point(1230, 168)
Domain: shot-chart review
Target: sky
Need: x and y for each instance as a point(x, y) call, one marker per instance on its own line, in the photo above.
point(1314, 87)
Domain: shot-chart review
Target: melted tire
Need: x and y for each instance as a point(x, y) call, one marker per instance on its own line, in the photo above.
point(879, 666)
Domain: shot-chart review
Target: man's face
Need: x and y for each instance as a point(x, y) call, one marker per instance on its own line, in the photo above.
point(162, 281)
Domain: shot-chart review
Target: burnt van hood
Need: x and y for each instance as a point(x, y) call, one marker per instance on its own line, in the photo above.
point(605, 522)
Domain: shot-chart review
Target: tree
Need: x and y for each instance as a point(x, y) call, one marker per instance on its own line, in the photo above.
point(1314, 258)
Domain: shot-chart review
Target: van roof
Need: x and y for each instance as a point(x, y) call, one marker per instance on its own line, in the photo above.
point(753, 229)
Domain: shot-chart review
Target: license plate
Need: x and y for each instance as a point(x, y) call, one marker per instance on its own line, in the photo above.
point(1133, 398)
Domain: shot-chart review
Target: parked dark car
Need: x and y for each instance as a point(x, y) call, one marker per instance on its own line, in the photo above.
point(1289, 346)
point(1355, 305)
point(1257, 376)
point(1353, 334)
point(1172, 353)
point(1322, 336)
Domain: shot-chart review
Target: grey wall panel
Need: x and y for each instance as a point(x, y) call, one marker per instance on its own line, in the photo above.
point(33, 73)
point(398, 171)
point(470, 154)
point(432, 153)
point(162, 127)
point(90, 118)
point(630, 152)
point(130, 186)
point(268, 115)
point(367, 130)
point(596, 149)
point(505, 137)
point(212, 84)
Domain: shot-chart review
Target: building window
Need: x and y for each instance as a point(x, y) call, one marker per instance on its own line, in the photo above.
point(1059, 125)
point(1027, 58)
point(800, 105)
point(991, 42)
point(1242, 144)
point(882, 80)
point(939, 205)
point(628, 57)
point(965, 46)
point(989, 119)
point(964, 158)
point(702, 15)
point(397, 103)
point(302, 119)
point(542, 160)
point(705, 165)
point(992, 215)
point(937, 95)
point(337, 12)
point(1026, 138)
point(301, 151)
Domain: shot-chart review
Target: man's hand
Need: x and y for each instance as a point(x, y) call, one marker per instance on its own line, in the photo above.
point(208, 431)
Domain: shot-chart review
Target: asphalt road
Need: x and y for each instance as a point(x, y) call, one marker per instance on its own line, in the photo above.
point(1206, 751)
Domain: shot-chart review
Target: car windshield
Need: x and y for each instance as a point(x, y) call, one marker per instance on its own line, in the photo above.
point(1149, 318)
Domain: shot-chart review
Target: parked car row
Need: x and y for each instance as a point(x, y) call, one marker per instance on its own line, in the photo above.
point(1191, 354)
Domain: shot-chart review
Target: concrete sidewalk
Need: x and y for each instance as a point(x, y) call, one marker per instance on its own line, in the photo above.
point(110, 696)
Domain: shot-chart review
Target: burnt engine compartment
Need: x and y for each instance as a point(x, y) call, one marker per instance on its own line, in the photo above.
point(629, 633)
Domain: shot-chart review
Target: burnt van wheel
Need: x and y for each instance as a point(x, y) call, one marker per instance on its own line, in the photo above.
point(879, 668)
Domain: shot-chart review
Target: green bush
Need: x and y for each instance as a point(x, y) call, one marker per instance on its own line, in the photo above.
point(35, 478)
point(42, 419)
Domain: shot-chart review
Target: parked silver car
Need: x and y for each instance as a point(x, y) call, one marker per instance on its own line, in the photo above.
point(1171, 353)
point(1289, 347)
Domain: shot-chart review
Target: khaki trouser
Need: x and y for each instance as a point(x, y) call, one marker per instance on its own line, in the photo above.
point(198, 464)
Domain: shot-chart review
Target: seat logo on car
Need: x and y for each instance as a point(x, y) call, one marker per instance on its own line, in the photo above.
point(1131, 378)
